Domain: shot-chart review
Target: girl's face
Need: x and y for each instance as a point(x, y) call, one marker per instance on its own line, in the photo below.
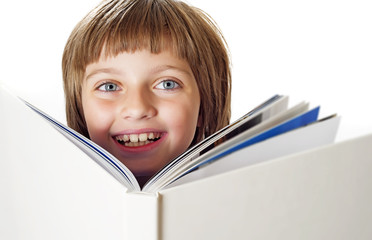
point(141, 107)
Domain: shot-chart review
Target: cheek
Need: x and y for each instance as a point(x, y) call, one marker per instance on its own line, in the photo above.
point(98, 119)
point(182, 120)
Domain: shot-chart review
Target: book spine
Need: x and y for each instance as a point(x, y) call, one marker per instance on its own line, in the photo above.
point(141, 216)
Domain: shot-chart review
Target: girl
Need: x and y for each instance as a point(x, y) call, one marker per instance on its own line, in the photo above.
point(146, 79)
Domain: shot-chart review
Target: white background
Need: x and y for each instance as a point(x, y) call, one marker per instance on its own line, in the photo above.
point(319, 51)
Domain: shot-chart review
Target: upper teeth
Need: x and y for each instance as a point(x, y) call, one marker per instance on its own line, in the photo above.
point(142, 137)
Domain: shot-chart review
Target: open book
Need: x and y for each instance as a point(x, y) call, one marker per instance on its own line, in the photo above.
point(274, 173)
point(269, 119)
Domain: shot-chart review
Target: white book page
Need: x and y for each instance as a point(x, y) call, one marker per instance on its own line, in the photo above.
point(314, 135)
point(264, 125)
point(94, 151)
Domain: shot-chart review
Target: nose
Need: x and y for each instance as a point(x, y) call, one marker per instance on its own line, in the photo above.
point(138, 105)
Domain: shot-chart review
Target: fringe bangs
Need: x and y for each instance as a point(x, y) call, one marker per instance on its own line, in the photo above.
point(154, 24)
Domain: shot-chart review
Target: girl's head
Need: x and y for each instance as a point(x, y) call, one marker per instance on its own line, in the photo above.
point(116, 30)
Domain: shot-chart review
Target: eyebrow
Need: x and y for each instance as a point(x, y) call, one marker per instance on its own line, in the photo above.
point(102, 70)
point(163, 68)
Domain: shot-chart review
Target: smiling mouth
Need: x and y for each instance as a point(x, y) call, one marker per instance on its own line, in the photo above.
point(137, 140)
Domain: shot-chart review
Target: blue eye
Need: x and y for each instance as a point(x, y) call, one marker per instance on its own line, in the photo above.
point(168, 85)
point(108, 87)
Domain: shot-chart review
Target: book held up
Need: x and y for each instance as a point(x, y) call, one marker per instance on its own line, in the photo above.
point(277, 168)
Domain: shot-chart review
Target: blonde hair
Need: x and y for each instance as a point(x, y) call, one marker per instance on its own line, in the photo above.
point(130, 25)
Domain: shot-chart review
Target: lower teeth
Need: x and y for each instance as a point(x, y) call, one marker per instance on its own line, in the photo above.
point(137, 144)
